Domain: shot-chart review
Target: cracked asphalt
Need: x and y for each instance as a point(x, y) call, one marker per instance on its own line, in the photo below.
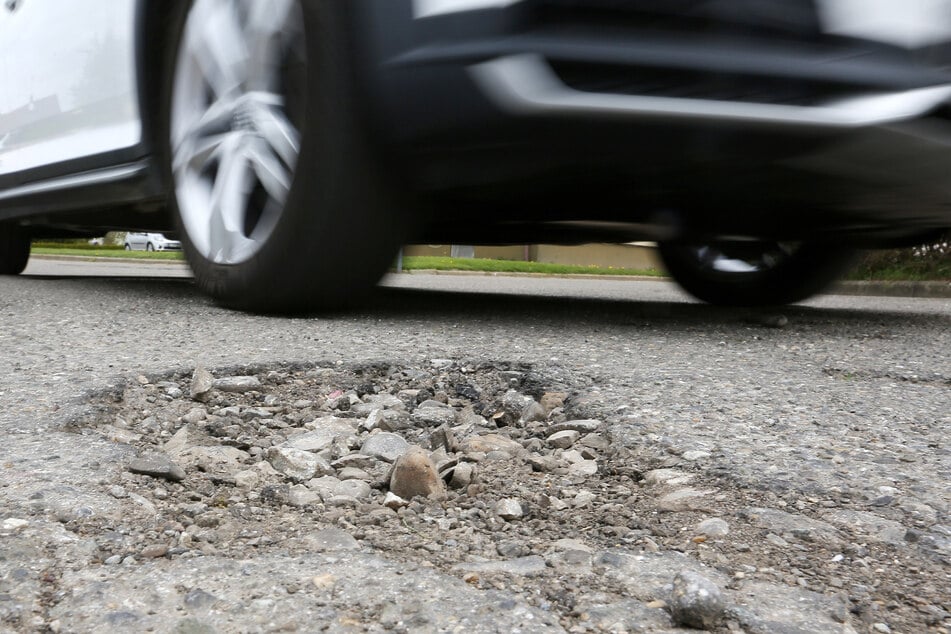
point(867, 379)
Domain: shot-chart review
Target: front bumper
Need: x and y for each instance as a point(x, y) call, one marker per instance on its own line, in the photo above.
point(656, 107)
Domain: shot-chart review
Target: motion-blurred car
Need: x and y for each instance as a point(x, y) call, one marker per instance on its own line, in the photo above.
point(150, 242)
point(295, 144)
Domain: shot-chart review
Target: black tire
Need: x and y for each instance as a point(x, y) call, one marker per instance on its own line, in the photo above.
point(340, 228)
point(14, 249)
point(149, 247)
point(783, 274)
point(128, 247)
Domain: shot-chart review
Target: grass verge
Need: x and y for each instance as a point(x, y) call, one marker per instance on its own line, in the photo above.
point(900, 265)
point(108, 253)
point(922, 264)
point(431, 263)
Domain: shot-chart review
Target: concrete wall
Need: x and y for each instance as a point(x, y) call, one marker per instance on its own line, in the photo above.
point(489, 253)
point(620, 256)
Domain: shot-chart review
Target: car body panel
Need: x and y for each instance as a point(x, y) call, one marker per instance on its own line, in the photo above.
point(70, 82)
point(508, 114)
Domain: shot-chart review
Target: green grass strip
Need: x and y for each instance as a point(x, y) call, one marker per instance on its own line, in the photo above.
point(888, 272)
point(901, 274)
point(109, 253)
point(432, 263)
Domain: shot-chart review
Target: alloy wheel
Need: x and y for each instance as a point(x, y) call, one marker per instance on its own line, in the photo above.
point(235, 122)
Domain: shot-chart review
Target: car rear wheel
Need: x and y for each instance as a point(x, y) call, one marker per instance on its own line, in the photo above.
point(755, 273)
point(149, 247)
point(279, 199)
point(128, 247)
point(14, 249)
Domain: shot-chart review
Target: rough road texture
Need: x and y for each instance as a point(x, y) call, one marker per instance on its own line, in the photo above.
point(798, 474)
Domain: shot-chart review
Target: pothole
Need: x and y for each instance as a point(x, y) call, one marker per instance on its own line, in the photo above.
point(531, 495)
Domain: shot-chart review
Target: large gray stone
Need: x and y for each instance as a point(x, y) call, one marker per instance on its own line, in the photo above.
point(201, 384)
point(157, 466)
point(385, 446)
point(297, 465)
point(696, 601)
point(237, 384)
point(414, 474)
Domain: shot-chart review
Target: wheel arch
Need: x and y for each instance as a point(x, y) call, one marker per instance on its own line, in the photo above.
point(154, 31)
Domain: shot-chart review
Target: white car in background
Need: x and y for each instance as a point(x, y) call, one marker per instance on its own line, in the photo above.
point(150, 242)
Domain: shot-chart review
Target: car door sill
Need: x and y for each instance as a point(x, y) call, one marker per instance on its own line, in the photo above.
point(115, 174)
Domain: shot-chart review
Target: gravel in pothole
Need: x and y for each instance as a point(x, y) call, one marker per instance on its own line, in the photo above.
point(488, 472)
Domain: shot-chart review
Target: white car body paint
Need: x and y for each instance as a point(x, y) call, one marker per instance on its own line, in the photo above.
point(429, 8)
point(906, 23)
point(69, 82)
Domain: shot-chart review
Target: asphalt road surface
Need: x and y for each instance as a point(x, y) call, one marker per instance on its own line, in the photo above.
point(867, 377)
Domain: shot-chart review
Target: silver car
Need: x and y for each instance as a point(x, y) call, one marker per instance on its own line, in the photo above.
point(295, 144)
point(150, 242)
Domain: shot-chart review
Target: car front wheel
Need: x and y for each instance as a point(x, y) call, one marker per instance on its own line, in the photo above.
point(755, 273)
point(281, 204)
point(14, 249)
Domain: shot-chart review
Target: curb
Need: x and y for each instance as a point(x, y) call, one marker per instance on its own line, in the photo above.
point(567, 276)
point(92, 258)
point(915, 290)
point(921, 290)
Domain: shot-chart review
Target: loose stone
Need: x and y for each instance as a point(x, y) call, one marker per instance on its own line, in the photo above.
point(587, 426)
point(533, 412)
point(696, 601)
point(508, 509)
point(373, 421)
point(14, 524)
point(195, 416)
point(563, 439)
point(297, 465)
point(157, 466)
point(583, 499)
point(684, 500)
point(552, 400)
point(584, 468)
point(462, 475)
point(201, 384)
point(490, 442)
point(671, 477)
point(443, 438)
point(154, 551)
point(301, 495)
point(433, 414)
point(237, 384)
point(357, 489)
point(596, 442)
point(415, 474)
point(393, 501)
point(385, 446)
point(352, 473)
point(713, 527)
point(331, 539)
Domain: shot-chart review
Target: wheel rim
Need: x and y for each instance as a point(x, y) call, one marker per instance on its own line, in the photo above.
point(744, 257)
point(234, 122)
